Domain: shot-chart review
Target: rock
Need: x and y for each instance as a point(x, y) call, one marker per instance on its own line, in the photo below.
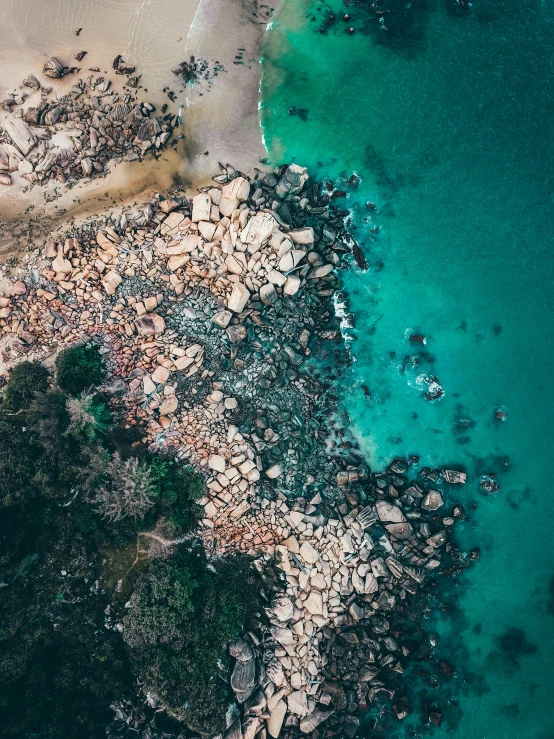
point(298, 703)
point(291, 259)
point(276, 718)
point(400, 531)
point(243, 676)
point(268, 295)
point(308, 553)
point(150, 325)
point(169, 406)
point(282, 608)
point(314, 603)
point(201, 207)
point(54, 69)
point(19, 288)
point(232, 194)
point(258, 230)
point(292, 285)
point(303, 236)
point(222, 318)
point(454, 477)
point(147, 385)
point(31, 82)
point(160, 374)
point(320, 272)
point(216, 462)
point(241, 649)
point(250, 727)
point(20, 133)
point(60, 263)
point(389, 513)
point(239, 298)
point(311, 722)
point(292, 181)
point(147, 132)
point(274, 471)
point(172, 223)
point(283, 636)
point(234, 731)
point(432, 501)
point(277, 278)
point(111, 282)
point(103, 241)
point(236, 333)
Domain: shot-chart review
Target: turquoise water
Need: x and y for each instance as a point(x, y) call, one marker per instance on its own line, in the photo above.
point(448, 120)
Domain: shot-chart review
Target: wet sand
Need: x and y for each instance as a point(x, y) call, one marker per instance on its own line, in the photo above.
point(222, 124)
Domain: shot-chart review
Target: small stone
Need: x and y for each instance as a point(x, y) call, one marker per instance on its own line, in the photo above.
point(160, 374)
point(111, 282)
point(222, 318)
point(217, 463)
point(308, 553)
point(239, 298)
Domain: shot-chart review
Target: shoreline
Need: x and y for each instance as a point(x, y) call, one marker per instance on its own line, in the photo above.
point(222, 123)
point(211, 311)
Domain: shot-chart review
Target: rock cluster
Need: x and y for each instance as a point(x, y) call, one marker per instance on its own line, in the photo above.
point(207, 310)
point(333, 645)
point(73, 136)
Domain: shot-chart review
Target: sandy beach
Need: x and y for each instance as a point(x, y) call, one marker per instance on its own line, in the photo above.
point(140, 32)
point(222, 125)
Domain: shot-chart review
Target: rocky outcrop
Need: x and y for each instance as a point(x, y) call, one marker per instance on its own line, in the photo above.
point(206, 315)
point(99, 127)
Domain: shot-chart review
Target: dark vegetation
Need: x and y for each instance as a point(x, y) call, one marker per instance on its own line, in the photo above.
point(26, 379)
point(73, 507)
point(78, 368)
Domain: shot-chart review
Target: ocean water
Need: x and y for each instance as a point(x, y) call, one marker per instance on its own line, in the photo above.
point(447, 118)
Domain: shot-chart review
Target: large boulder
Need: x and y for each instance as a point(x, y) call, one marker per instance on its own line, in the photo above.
point(232, 194)
point(201, 207)
point(258, 230)
point(389, 513)
point(292, 181)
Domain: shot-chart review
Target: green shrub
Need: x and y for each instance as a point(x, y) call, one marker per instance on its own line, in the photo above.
point(180, 621)
point(78, 368)
point(177, 490)
point(26, 379)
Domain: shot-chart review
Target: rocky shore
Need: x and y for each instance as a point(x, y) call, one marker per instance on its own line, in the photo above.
point(215, 315)
point(66, 137)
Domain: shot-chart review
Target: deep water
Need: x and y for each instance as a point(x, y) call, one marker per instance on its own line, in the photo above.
point(447, 117)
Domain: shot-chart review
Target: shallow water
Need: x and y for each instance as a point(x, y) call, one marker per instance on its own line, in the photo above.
point(448, 122)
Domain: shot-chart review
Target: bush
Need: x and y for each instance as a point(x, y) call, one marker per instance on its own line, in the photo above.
point(26, 379)
point(88, 417)
point(79, 368)
point(127, 491)
point(181, 619)
point(177, 490)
